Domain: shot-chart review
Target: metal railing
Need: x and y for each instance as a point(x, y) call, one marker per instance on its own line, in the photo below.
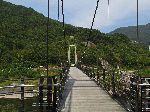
point(144, 88)
point(129, 90)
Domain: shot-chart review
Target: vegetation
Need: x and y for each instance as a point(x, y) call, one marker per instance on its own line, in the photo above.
point(117, 49)
point(23, 44)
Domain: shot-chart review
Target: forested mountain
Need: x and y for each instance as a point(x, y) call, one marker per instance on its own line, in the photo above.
point(23, 43)
point(131, 32)
point(23, 30)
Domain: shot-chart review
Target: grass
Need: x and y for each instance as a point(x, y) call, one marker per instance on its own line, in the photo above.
point(9, 105)
point(144, 72)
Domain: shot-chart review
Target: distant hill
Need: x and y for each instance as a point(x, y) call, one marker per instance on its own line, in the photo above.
point(130, 31)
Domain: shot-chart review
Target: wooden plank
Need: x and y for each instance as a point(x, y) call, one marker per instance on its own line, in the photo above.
point(83, 95)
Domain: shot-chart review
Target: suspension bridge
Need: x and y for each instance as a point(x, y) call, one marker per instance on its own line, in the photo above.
point(82, 88)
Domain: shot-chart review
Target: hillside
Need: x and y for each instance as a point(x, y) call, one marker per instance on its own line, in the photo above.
point(24, 30)
point(144, 32)
point(23, 43)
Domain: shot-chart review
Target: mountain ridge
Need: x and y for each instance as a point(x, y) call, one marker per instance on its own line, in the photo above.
point(131, 32)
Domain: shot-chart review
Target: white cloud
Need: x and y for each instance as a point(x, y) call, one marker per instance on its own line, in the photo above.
point(80, 12)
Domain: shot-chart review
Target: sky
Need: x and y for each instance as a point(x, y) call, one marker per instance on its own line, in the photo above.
point(120, 13)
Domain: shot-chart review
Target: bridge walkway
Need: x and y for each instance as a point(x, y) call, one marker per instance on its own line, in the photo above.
point(83, 95)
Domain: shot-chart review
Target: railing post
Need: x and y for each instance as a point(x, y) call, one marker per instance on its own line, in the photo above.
point(93, 73)
point(141, 106)
point(22, 95)
point(63, 81)
point(149, 94)
point(41, 94)
point(137, 94)
point(98, 77)
point(60, 88)
point(113, 83)
point(104, 85)
point(134, 94)
point(55, 94)
point(49, 94)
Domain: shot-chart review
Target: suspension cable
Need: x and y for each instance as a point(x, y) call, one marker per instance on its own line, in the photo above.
point(58, 9)
point(64, 30)
point(93, 20)
point(94, 15)
point(138, 20)
point(64, 33)
point(108, 10)
point(47, 39)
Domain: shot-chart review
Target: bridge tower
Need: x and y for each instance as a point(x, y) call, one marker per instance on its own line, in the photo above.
point(74, 57)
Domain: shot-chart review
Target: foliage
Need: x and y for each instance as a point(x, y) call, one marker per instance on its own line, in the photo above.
point(23, 43)
point(6, 106)
point(144, 72)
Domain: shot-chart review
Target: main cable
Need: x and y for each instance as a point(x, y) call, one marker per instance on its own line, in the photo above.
point(93, 20)
point(94, 15)
point(47, 39)
point(93, 23)
point(58, 9)
point(138, 20)
point(108, 12)
point(63, 18)
point(64, 30)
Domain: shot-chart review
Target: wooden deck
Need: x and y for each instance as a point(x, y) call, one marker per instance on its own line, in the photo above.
point(83, 95)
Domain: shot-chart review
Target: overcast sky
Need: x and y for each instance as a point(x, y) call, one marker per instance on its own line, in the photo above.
point(80, 12)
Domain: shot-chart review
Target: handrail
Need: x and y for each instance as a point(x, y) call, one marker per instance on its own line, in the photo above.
point(123, 89)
